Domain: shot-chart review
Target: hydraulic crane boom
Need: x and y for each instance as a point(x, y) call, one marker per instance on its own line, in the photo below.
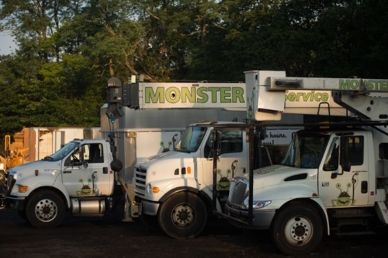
point(365, 98)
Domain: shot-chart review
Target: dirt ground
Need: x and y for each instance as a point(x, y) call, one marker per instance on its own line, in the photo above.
point(108, 236)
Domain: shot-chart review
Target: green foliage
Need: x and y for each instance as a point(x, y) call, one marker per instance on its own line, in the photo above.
point(68, 49)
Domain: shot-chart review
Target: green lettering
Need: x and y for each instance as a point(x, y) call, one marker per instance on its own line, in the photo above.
point(355, 84)
point(306, 96)
point(318, 97)
point(157, 97)
point(188, 95)
point(225, 95)
point(298, 95)
point(370, 84)
point(214, 91)
point(325, 97)
point(291, 96)
point(383, 85)
point(202, 96)
point(172, 95)
point(238, 94)
point(344, 84)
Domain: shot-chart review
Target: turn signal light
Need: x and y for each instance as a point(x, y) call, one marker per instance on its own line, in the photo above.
point(155, 189)
point(23, 188)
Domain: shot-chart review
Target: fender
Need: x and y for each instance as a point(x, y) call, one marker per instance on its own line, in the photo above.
point(177, 190)
point(60, 187)
point(33, 183)
point(205, 194)
point(279, 194)
point(324, 212)
point(282, 194)
point(37, 182)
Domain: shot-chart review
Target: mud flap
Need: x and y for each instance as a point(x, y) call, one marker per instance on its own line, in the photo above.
point(131, 209)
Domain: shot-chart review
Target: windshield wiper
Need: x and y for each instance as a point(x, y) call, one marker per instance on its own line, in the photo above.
point(48, 158)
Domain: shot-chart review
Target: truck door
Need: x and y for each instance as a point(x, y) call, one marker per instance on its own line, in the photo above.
point(232, 159)
point(86, 172)
point(340, 188)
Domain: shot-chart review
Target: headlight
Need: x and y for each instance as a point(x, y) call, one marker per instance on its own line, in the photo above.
point(149, 188)
point(256, 204)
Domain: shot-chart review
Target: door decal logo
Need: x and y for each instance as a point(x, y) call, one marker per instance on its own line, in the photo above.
point(85, 189)
point(344, 199)
point(224, 182)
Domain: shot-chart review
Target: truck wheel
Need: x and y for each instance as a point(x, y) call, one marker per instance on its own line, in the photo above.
point(297, 229)
point(45, 209)
point(183, 215)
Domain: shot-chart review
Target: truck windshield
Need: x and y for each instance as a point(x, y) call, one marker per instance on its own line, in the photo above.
point(305, 151)
point(191, 139)
point(62, 152)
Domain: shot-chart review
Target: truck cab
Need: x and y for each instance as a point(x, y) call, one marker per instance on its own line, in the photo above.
point(78, 177)
point(176, 187)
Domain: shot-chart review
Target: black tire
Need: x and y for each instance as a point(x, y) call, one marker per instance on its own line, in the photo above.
point(297, 229)
point(45, 209)
point(183, 215)
point(150, 222)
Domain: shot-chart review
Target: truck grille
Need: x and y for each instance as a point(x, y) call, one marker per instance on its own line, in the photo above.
point(8, 184)
point(139, 181)
point(238, 191)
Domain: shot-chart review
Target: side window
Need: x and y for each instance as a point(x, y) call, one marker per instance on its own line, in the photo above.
point(94, 153)
point(353, 149)
point(77, 156)
point(231, 141)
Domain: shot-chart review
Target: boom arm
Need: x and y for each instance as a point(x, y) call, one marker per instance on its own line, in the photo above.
point(342, 95)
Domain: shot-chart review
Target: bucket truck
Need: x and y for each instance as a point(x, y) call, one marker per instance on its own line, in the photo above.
point(334, 176)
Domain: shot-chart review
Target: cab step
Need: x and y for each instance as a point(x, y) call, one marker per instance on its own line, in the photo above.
point(356, 233)
point(352, 222)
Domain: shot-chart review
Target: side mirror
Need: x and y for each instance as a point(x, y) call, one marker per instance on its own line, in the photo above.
point(346, 165)
point(174, 140)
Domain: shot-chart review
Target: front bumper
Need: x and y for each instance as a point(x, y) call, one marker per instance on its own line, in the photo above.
point(261, 220)
point(14, 203)
point(150, 208)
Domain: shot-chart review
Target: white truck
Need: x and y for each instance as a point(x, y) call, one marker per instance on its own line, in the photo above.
point(334, 176)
